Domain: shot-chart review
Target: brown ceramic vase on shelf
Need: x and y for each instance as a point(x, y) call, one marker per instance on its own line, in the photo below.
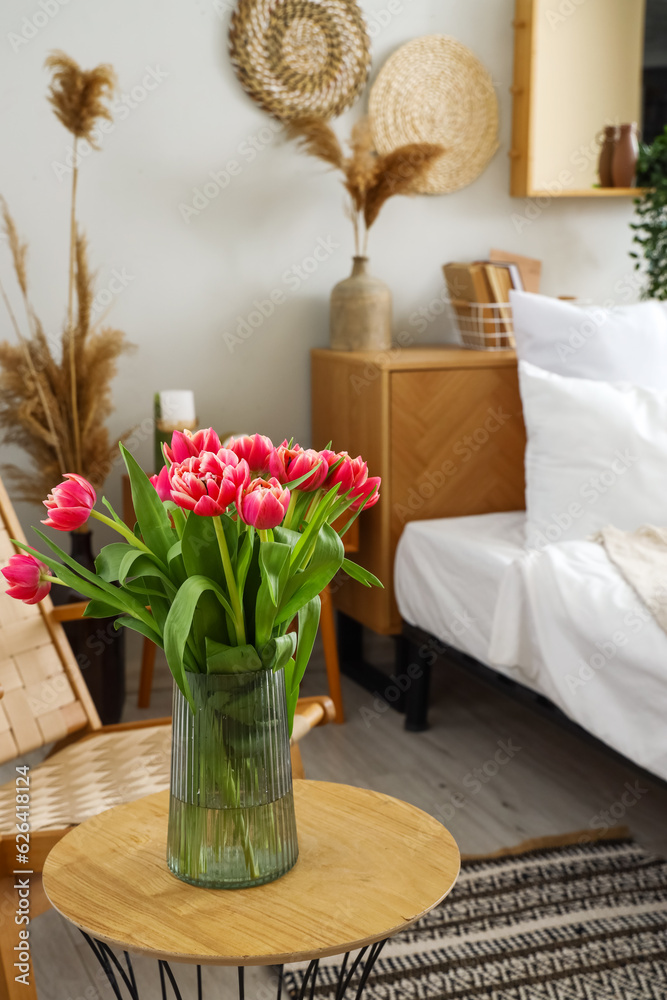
point(361, 312)
point(608, 140)
point(626, 154)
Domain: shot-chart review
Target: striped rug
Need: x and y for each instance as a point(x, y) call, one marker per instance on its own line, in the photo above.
point(564, 920)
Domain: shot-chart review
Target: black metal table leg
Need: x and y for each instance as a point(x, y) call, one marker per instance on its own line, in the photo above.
point(119, 977)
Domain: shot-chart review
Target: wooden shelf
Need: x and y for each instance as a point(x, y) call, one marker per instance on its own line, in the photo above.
point(591, 192)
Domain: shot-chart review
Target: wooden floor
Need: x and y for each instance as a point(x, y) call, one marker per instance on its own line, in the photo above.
point(547, 782)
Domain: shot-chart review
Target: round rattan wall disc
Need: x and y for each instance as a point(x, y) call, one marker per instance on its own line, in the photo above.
point(435, 90)
point(300, 57)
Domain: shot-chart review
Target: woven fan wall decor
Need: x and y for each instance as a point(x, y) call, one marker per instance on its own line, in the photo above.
point(300, 57)
point(434, 89)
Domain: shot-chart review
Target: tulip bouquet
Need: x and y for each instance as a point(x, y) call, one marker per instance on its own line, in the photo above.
point(231, 545)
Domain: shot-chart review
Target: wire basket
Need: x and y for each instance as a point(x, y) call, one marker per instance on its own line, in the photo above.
point(484, 326)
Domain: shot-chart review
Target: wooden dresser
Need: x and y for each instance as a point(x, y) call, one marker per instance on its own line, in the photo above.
point(442, 426)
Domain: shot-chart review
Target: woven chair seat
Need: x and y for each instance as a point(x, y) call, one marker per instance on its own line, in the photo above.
point(90, 776)
point(96, 773)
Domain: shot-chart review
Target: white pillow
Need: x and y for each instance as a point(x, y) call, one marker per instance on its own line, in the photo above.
point(596, 455)
point(627, 343)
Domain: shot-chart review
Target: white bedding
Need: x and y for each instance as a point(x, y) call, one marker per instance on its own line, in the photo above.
point(562, 621)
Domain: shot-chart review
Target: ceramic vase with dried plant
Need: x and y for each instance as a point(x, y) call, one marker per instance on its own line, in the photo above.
point(361, 305)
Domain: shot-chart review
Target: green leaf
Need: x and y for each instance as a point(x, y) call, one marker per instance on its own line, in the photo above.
point(138, 564)
point(107, 564)
point(277, 652)
point(201, 557)
point(152, 518)
point(274, 564)
point(302, 586)
point(199, 548)
point(179, 622)
point(113, 513)
point(309, 620)
point(70, 578)
point(141, 627)
point(98, 609)
point(222, 659)
point(83, 578)
point(244, 559)
point(307, 539)
point(360, 574)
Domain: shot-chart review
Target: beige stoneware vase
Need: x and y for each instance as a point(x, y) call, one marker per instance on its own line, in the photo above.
point(361, 312)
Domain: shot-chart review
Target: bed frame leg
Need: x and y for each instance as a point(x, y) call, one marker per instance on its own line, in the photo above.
point(417, 695)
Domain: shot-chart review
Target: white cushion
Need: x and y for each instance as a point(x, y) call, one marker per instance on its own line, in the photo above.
point(596, 455)
point(627, 343)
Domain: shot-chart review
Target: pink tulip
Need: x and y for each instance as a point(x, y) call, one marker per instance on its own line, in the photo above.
point(26, 576)
point(161, 483)
point(185, 444)
point(303, 462)
point(207, 493)
point(369, 489)
point(263, 504)
point(350, 473)
point(70, 504)
point(279, 460)
point(216, 463)
point(256, 449)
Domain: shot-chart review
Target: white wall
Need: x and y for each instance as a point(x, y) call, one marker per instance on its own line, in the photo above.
point(191, 281)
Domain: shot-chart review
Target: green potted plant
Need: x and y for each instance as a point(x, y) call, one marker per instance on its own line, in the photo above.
point(651, 214)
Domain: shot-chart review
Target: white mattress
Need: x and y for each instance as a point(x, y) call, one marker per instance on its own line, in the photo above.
point(562, 621)
point(448, 574)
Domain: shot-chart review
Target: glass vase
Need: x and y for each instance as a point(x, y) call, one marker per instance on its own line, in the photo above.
point(231, 812)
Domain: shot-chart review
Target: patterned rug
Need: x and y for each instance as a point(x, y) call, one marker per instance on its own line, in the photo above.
point(553, 920)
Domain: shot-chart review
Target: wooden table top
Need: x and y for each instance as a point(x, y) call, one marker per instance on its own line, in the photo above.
point(369, 865)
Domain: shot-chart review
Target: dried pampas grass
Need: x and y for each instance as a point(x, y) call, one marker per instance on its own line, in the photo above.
point(78, 95)
point(368, 178)
point(55, 391)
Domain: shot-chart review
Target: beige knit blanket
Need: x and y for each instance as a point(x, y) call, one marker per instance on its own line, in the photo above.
point(641, 557)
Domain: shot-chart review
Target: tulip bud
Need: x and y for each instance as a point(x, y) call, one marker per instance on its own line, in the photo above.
point(26, 575)
point(302, 463)
point(263, 504)
point(366, 495)
point(70, 504)
point(161, 483)
point(256, 449)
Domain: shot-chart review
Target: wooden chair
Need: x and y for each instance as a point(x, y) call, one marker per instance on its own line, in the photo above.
point(44, 699)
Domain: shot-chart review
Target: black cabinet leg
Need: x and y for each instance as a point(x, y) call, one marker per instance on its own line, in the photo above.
point(417, 695)
point(350, 640)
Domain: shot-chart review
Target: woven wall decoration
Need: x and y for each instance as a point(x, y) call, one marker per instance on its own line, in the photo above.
point(300, 57)
point(435, 90)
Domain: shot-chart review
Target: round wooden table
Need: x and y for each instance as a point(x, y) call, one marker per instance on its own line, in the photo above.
point(369, 865)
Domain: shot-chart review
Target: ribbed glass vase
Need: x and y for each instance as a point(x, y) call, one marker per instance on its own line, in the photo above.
point(231, 813)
